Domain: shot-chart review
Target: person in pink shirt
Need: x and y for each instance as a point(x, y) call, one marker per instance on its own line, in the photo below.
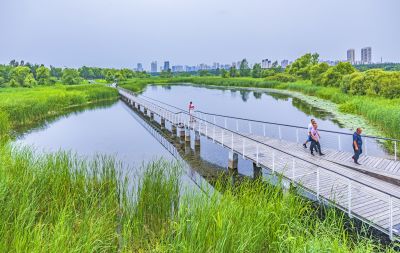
point(191, 109)
point(315, 140)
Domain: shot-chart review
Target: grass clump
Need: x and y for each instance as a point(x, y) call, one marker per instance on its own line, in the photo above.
point(26, 106)
point(57, 203)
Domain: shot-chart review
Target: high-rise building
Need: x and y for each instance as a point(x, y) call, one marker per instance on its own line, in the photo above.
point(265, 64)
point(351, 55)
point(177, 68)
point(366, 55)
point(139, 67)
point(166, 65)
point(284, 63)
point(154, 67)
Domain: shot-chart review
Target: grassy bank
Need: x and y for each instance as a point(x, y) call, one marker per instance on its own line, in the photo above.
point(22, 106)
point(58, 203)
point(382, 113)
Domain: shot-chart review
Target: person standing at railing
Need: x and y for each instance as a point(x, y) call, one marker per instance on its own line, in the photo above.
point(357, 145)
point(191, 110)
point(315, 140)
point(309, 128)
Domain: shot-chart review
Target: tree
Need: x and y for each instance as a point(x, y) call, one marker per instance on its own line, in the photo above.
point(109, 76)
point(204, 73)
point(166, 73)
point(70, 76)
point(55, 72)
point(244, 68)
point(301, 67)
point(256, 73)
point(316, 72)
point(333, 76)
point(18, 74)
point(43, 75)
point(29, 81)
point(233, 72)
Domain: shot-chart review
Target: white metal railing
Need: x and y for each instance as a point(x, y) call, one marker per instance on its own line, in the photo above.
point(345, 190)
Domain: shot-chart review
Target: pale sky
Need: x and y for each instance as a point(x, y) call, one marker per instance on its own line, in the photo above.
point(121, 33)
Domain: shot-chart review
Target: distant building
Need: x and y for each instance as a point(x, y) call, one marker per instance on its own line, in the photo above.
point(139, 67)
point(154, 67)
point(366, 55)
point(351, 56)
point(284, 63)
point(266, 64)
point(177, 68)
point(166, 66)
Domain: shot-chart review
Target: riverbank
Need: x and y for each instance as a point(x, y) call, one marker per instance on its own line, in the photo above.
point(22, 106)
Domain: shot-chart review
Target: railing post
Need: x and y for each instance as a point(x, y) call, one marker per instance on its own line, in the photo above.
point(366, 146)
point(395, 150)
point(214, 133)
point(297, 135)
point(264, 129)
point(232, 141)
point(206, 129)
point(273, 161)
point(243, 147)
point(225, 122)
point(257, 156)
point(339, 143)
point(318, 183)
point(249, 127)
point(390, 218)
point(280, 133)
point(237, 126)
point(222, 138)
point(293, 169)
point(349, 198)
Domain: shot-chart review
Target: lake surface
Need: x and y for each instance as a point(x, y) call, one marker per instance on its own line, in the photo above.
point(115, 129)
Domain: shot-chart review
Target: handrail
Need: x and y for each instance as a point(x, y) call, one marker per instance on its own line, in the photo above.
point(274, 123)
point(289, 154)
point(294, 126)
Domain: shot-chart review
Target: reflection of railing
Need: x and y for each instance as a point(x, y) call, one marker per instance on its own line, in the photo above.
point(327, 181)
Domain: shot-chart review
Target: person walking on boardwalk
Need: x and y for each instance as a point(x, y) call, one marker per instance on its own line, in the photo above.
point(191, 109)
point(309, 128)
point(357, 145)
point(315, 140)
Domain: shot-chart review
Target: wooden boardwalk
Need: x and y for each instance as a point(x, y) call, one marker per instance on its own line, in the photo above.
point(330, 178)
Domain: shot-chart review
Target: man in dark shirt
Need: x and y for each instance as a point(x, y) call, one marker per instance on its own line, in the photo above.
point(357, 145)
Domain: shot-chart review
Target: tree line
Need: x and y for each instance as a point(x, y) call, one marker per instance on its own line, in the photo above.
point(21, 74)
point(308, 67)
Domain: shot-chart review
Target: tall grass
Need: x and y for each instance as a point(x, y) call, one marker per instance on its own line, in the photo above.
point(4, 125)
point(25, 106)
point(59, 203)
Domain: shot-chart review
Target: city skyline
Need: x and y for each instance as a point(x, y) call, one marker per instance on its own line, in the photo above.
point(121, 33)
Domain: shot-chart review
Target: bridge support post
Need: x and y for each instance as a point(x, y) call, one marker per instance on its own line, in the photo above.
point(151, 115)
point(257, 171)
point(187, 136)
point(173, 130)
point(233, 161)
point(162, 123)
point(182, 133)
point(196, 141)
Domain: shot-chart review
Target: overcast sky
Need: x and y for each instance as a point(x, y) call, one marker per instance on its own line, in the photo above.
point(120, 33)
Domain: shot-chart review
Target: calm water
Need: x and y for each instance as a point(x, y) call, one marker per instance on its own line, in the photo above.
point(116, 130)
